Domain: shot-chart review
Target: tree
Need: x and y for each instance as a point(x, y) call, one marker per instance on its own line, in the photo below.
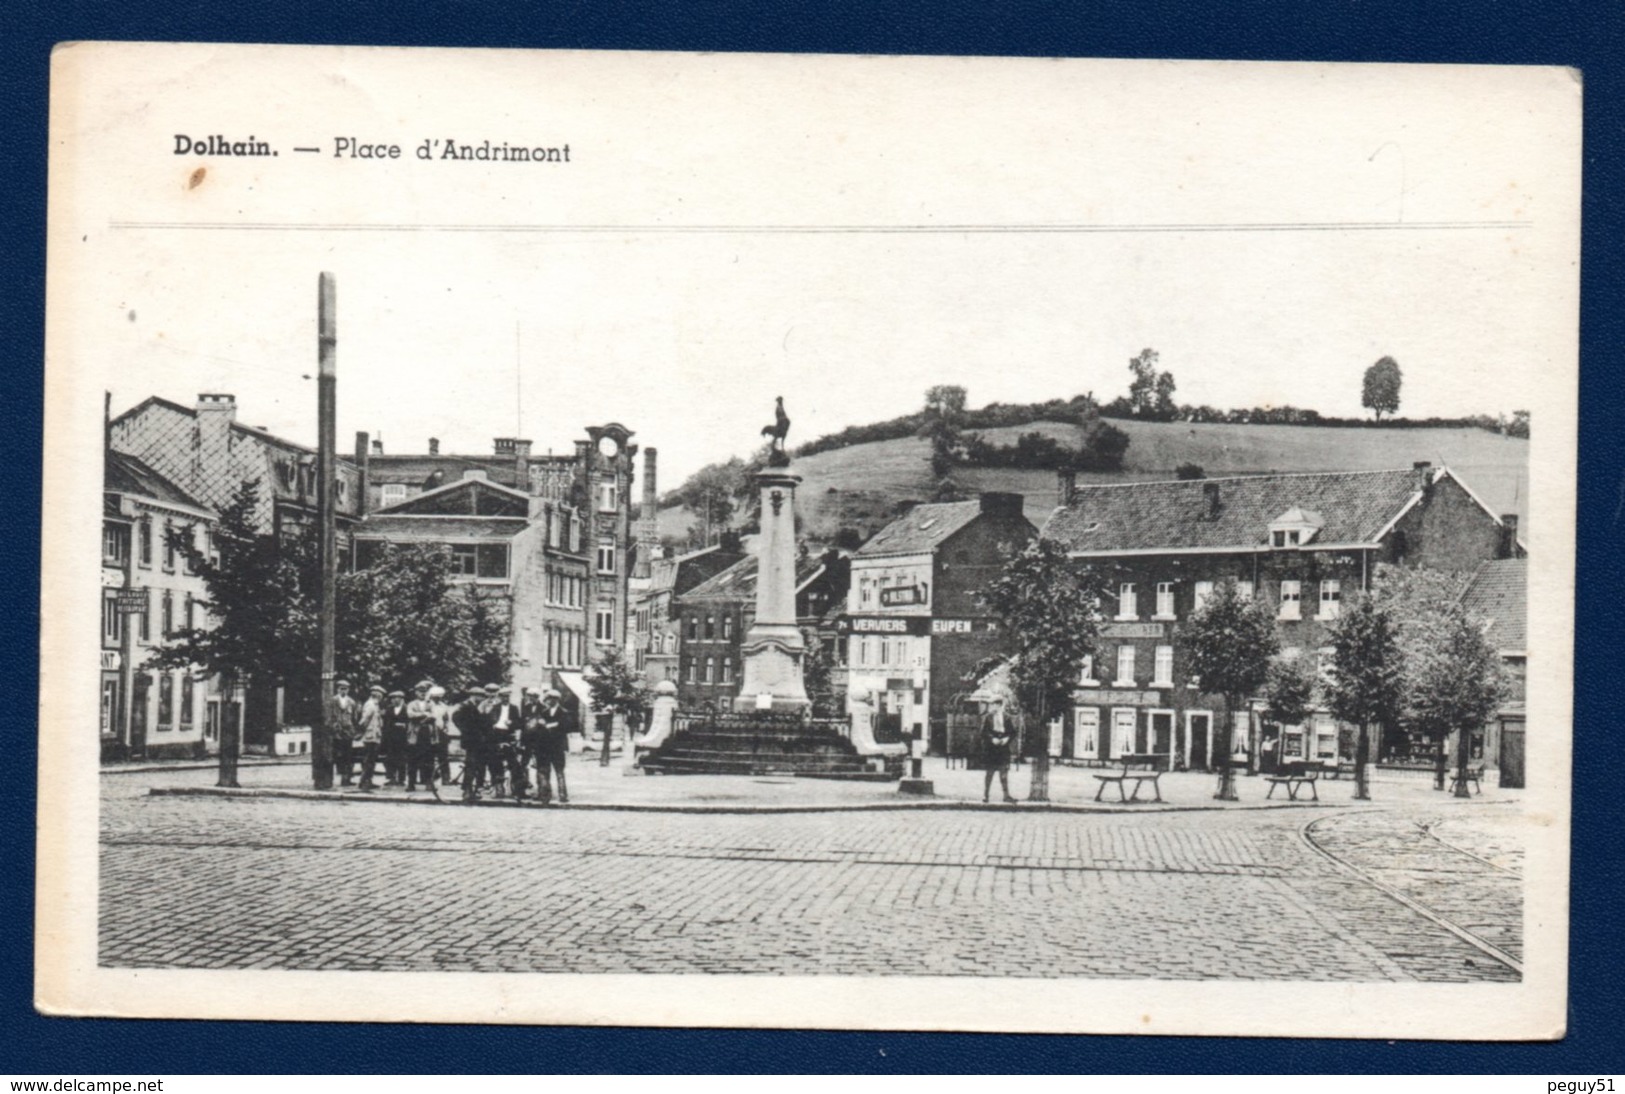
point(1455, 686)
point(713, 494)
point(1517, 425)
point(944, 409)
point(251, 603)
point(1150, 393)
point(1050, 611)
point(1289, 691)
point(1187, 472)
point(816, 675)
point(1380, 392)
point(1231, 639)
point(404, 618)
point(1366, 678)
point(1420, 602)
point(617, 689)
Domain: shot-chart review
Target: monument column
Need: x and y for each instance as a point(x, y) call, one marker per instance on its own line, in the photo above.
point(773, 647)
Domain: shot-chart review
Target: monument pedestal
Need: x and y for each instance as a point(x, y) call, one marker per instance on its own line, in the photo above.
point(773, 647)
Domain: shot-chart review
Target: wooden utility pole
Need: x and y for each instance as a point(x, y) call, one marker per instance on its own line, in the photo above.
point(321, 745)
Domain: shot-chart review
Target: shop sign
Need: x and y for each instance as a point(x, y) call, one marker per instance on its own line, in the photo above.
point(132, 601)
point(916, 625)
point(1132, 630)
point(1116, 698)
point(901, 595)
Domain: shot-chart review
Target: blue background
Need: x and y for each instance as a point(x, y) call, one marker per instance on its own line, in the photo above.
point(1336, 30)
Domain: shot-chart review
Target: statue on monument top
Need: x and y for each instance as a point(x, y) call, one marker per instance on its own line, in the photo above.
point(777, 456)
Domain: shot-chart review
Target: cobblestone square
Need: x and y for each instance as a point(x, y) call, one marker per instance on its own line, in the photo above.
point(1420, 889)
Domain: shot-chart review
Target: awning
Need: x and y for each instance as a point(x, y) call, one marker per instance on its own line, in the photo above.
point(577, 683)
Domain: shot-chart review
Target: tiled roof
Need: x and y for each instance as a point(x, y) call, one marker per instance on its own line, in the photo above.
point(921, 529)
point(124, 474)
point(439, 528)
point(1499, 594)
point(1355, 505)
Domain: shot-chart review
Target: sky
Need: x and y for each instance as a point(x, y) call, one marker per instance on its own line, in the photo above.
point(844, 232)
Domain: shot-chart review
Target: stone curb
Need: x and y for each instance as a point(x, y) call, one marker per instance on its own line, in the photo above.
point(646, 807)
point(199, 765)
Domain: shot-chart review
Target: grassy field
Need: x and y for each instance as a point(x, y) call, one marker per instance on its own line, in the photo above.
point(861, 486)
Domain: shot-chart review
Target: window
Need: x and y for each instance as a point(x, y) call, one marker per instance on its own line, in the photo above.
point(144, 531)
point(1122, 733)
point(705, 672)
point(1125, 665)
point(885, 652)
point(186, 701)
point(710, 627)
point(604, 624)
point(575, 536)
point(1163, 668)
point(465, 560)
point(115, 544)
point(1086, 674)
point(693, 628)
point(1127, 602)
point(727, 627)
point(1085, 733)
point(191, 612)
point(863, 651)
point(727, 671)
point(492, 560)
point(1291, 600)
point(169, 547)
point(394, 492)
point(606, 556)
point(688, 669)
point(1244, 590)
point(1200, 592)
point(1165, 600)
point(112, 622)
point(169, 614)
point(866, 592)
point(166, 700)
point(606, 497)
point(1331, 598)
point(145, 631)
point(553, 529)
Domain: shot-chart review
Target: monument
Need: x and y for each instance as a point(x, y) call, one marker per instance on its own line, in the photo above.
point(773, 647)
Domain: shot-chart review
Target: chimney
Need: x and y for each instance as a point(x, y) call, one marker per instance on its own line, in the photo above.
point(363, 503)
point(1509, 536)
point(648, 516)
point(378, 447)
point(1066, 486)
point(434, 446)
point(215, 414)
point(1004, 505)
point(521, 463)
point(1210, 494)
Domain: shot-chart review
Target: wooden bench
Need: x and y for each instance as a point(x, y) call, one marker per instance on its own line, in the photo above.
point(1138, 769)
point(1474, 775)
point(1336, 769)
point(1295, 777)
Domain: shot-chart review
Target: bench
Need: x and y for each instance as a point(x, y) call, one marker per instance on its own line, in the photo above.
point(1295, 777)
point(1336, 769)
point(1474, 775)
point(1138, 769)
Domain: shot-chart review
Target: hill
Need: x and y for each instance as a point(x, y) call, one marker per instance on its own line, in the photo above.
point(861, 485)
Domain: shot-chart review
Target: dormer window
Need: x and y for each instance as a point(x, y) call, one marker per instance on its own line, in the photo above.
point(1294, 528)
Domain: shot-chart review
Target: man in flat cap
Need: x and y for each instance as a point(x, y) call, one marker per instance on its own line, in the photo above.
point(421, 739)
point(394, 745)
point(554, 745)
point(506, 722)
point(469, 718)
point(341, 723)
point(370, 732)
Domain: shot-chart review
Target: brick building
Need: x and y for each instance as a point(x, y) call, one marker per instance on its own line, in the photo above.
point(914, 625)
point(1302, 542)
point(714, 616)
point(146, 713)
point(656, 633)
point(207, 453)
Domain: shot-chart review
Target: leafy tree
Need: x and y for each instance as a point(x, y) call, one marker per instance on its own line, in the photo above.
point(618, 689)
point(1150, 393)
point(1187, 472)
point(405, 618)
point(1232, 639)
point(1454, 686)
point(1289, 691)
point(1380, 391)
point(251, 602)
point(713, 494)
point(1517, 425)
point(816, 675)
point(1420, 602)
point(1366, 677)
point(1050, 609)
point(944, 409)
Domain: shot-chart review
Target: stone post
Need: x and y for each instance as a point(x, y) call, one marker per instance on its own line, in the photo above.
point(773, 647)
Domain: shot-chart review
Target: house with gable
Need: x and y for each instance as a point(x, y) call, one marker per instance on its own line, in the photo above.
point(1498, 596)
point(1300, 542)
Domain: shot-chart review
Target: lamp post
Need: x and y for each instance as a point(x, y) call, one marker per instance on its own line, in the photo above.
point(321, 744)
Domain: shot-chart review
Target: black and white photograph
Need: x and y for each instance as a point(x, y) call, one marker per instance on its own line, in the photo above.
point(808, 541)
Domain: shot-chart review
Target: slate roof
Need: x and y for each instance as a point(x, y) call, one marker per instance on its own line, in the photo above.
point(922, 529)
point(1499, 594)
point(739, 580)
point(1150, 516)
point(440, 528)
point(124, 474)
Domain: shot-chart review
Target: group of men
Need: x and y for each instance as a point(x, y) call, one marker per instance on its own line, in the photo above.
point(499, 741)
